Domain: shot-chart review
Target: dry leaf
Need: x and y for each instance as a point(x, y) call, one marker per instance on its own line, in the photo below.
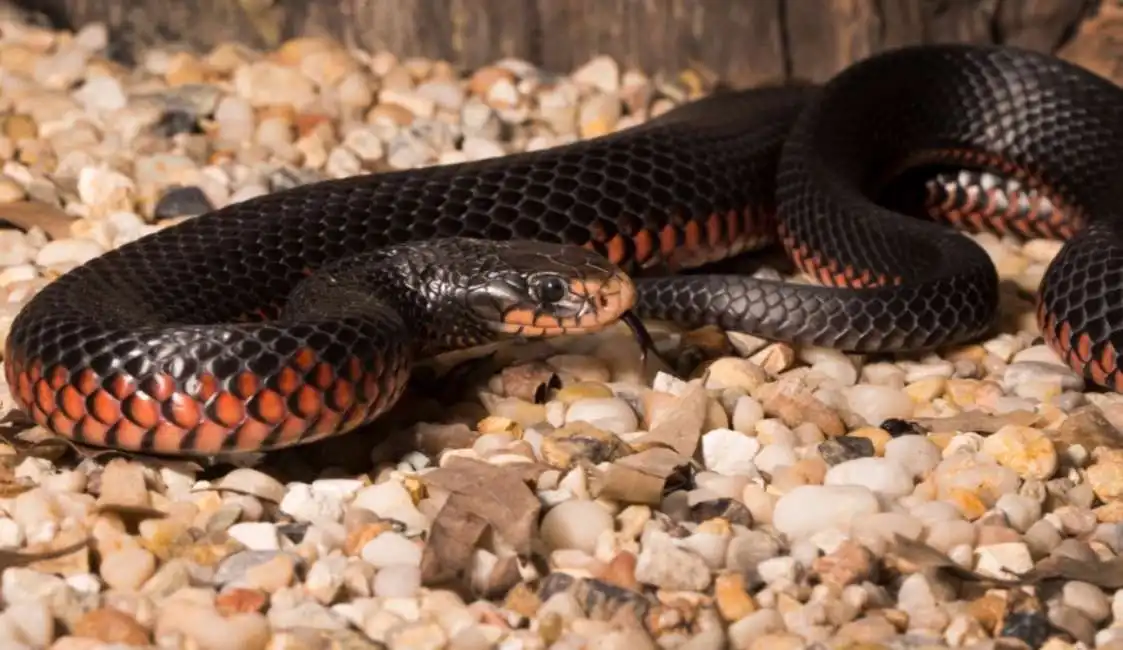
point(977, 421)
point(9, 559)
point(29, 214)
point(681, 426)
point(452, 540)
point(499, 495)
point(639, 478)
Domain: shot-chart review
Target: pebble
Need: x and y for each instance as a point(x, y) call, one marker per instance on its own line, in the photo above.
point(811, 508)
point(875, 404)
point(128, 568)
point(880, 475)
point(182, 201)
point(610, 413)
point(389, 549)
point(729, 452)
point(575, 524)
point(1026, 450)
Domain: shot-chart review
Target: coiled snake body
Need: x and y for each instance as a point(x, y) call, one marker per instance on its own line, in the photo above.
point(296, 315)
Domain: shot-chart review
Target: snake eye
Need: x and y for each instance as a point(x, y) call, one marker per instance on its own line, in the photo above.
point(549, 288)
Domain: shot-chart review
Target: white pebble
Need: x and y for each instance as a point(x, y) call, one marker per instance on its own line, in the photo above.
point(880, 475)
point(810, 508)
point(101, 94)
point(916, 454)
point(1007, 560)
point(729, 452)
point(397, 581)
point(875, 404)
point(14, 248)
point(772, 457)
point(71, 250)
point(575, 524)
point(609, 413)
point(302, 504)
point(391, 548)
point(256, 535)
point(1021, 511)
point(1087, 599)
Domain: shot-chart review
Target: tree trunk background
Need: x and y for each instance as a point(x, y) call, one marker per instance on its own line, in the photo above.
point(741, 42)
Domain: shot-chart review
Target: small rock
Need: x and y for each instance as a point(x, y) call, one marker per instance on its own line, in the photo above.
point(1026, 450)
point(880, 475)
point(127, 569)
point(916, 454)
point(611, 414)
point(662, 564)
point(729, 452)
point(810, 508)
point(397, 581)
point(1006, 561)
point(876, 404)
point(575, 524)
point(1088, 599)
point(391, 548)
point(182, 201)
point(110, 625)
point(843, 448)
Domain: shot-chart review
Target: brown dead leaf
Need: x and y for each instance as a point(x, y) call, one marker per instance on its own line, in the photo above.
point(69, 554)
point(452, 540)
point(9, 558)
point(977, 421)
point(680, 426)
point(639, 478)
point(26, 215)
point(499, 495)
point(1107, 574)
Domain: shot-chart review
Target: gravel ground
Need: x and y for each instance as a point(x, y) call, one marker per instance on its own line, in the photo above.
point(783, 498)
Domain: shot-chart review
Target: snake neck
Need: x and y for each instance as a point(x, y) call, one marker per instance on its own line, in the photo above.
point(419, 288)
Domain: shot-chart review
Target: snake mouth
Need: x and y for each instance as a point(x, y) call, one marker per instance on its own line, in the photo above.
point(602, 303)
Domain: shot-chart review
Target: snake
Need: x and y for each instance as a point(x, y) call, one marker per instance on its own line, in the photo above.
point(298, 315)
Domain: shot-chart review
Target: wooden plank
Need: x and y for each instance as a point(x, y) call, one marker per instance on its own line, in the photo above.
point(744, 42)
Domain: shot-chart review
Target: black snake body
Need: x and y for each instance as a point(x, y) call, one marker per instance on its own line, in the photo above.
point(127, 342)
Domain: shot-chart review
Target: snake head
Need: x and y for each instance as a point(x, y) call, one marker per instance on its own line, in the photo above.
point(539, 289)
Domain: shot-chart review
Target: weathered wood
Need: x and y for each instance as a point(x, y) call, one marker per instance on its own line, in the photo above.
point(744, 42)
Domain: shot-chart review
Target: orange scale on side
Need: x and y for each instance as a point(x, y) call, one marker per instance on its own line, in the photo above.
point(210, 437)
point(354, 369)
point(304, 359)
point(129, 435)
point(307, 402)
point(183, 411)
point(60, 424)
point(142, 410)
point(35, 370)
point(292, 430)
point(87, 381)
point(268, 406)
point(57, 377)
point(121, 386)
point(246, 385)
point(167, 437)
point(322, 376)
point(71, 402)
point(161, 387)
point(227, 409)
point(93, 432)
point(23, 388)
point(44, 397)
point(208, 387)
point(104, 407)
point(287, 381)
point(341, 396)
point(251, 435)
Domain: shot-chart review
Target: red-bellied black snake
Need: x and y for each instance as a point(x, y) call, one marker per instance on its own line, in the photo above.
point(298, 314)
